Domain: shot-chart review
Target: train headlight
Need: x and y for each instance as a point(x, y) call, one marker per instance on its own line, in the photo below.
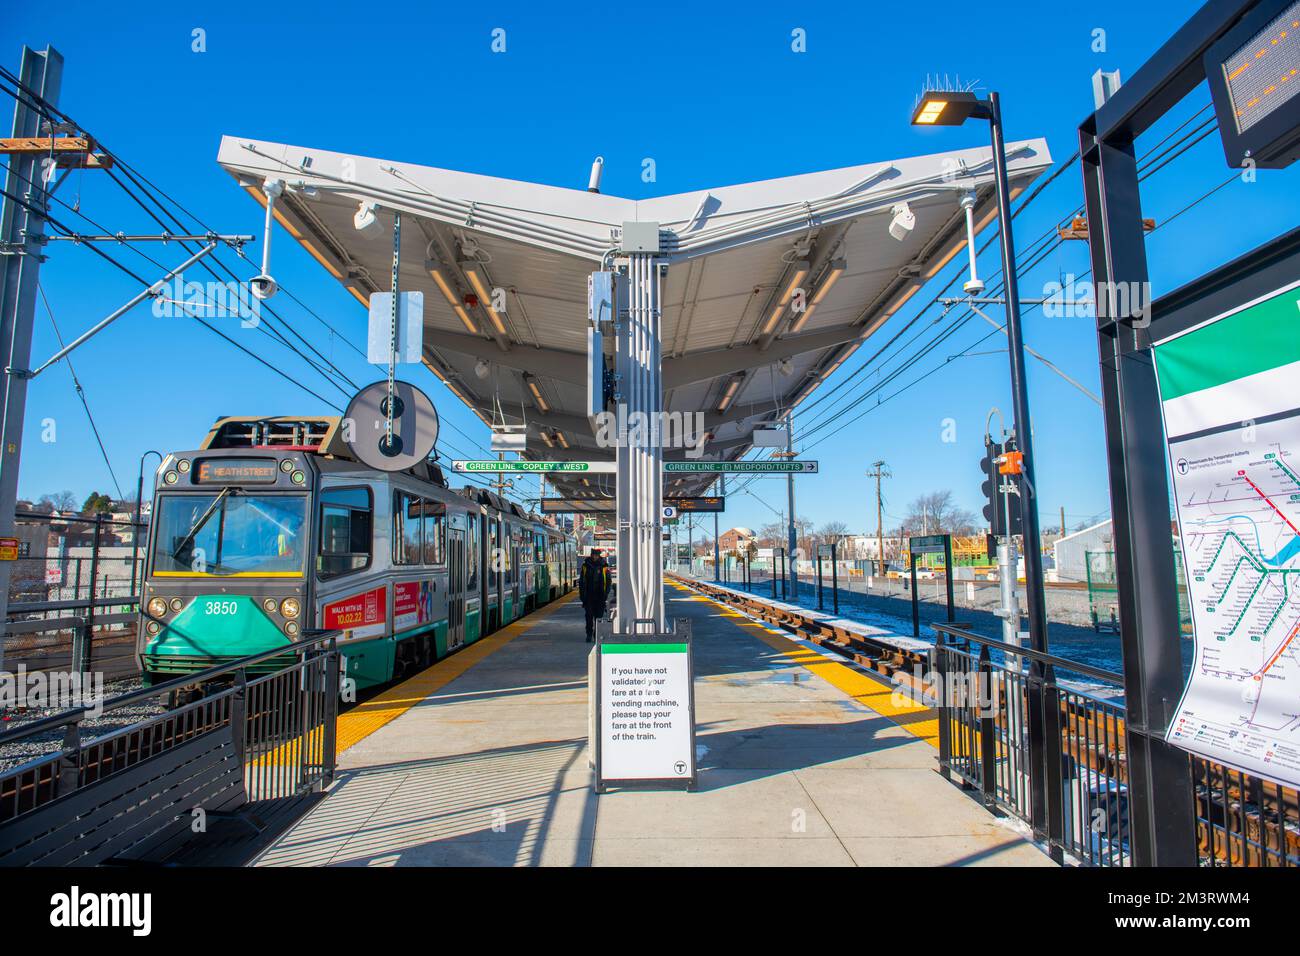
point(171, 477)
point(157, 607)
point(176, 604)
point(183, 466)
point(153, 627)
point(291, 628)
point(286, 465)
point(290, 607)
point(298, 477)
point(269, 606)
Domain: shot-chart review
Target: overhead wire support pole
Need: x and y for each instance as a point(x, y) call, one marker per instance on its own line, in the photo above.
point(21, 234)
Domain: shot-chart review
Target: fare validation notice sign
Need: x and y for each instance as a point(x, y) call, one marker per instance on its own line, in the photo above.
point(646, 723)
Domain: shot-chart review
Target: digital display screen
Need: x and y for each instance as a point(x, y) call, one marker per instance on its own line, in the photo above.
point(1265, 72)
point(226, 471)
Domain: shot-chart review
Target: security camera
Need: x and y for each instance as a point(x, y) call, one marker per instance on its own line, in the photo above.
point(263, 286)
point(366, 222)
point(482, 369)
point(904, 221)
point(786, 367)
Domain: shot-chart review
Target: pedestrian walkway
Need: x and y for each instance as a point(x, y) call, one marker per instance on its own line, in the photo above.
point(483, 762)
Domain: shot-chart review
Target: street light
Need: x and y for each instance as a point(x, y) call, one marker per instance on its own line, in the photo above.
point(939, 108)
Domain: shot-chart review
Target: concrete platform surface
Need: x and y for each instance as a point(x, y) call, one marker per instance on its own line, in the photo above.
point(796, 768)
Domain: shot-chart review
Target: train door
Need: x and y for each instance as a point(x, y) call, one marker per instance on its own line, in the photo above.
point(455, 587)
point(474, 577)
point(495, 572)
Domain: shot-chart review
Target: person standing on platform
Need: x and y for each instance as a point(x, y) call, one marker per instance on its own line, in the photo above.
point(593, 589)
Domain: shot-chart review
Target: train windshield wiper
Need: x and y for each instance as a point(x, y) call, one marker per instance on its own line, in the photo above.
point(188, 540)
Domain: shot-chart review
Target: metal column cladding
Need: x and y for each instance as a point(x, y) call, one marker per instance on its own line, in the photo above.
point(640, 457)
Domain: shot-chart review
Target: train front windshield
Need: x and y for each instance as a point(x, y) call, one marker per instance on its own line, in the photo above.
point(228, 533)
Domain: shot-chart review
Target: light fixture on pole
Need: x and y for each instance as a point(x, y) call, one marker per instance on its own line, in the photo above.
point(952, 108)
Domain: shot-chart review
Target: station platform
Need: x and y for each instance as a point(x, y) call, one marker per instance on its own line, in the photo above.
point(803, 760)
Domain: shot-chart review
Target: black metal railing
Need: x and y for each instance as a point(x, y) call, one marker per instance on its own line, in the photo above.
point(73, 594)
point(1003, 726)
point(283, 725)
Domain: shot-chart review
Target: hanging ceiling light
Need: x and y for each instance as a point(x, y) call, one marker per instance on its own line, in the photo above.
point(474, 272)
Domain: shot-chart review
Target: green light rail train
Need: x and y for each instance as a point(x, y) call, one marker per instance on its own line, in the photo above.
point(272, 528)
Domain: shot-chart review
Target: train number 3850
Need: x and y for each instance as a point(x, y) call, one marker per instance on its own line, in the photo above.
point(220, 607)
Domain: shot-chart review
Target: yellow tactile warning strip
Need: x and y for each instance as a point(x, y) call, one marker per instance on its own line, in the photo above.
point(364, 719)
point(917, 719)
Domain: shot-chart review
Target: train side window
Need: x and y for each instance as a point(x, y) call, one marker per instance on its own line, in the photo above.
point(435, 529)
point(507, 552)
point(406, 528)
point(346, 531)
point(471, 561)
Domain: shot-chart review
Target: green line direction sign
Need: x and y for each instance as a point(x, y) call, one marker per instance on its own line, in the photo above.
point(492, 465)
point(742, 467)
point(608, 467)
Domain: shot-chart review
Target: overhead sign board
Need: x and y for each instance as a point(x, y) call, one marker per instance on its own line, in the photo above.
point(464, 466)
point(769, 437)
point(1252, 75)
point(1227, 394)
point(741, 467)
point(410, 328)
point(645, 709)
point(669, 467)
point(705, 505)
point(927, 544)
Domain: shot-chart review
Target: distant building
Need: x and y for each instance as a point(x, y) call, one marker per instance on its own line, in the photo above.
point(1072, 550)
point(735, 539)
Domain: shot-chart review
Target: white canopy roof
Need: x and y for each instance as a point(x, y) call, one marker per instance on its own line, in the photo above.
point(731, 252)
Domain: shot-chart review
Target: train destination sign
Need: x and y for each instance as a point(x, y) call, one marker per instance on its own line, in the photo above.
point(246, 470)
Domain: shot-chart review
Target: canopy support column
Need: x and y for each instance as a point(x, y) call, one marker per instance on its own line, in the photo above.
point(640, 452)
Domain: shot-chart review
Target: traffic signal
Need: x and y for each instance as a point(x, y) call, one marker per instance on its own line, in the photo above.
point(992, 482)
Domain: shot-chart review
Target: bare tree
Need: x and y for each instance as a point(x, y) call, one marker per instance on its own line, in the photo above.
point(60, 501)
point(935, 513)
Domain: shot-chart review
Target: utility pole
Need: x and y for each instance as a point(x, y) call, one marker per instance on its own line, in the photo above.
point(881, 471)
point(23, 237)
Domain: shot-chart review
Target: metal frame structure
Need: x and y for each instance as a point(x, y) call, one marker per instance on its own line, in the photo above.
point(1162, 810)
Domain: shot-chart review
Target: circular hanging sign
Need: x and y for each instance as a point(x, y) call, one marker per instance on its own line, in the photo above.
point(415, 426)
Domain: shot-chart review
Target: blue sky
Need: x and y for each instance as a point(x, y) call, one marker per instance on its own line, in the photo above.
point(713, 97)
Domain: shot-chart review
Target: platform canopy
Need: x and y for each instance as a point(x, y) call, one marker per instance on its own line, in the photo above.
point(731, 254)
